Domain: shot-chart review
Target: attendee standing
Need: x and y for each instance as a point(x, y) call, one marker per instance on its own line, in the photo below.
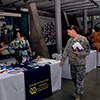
point(21, 46)
point(77, 59)
point(95, 39)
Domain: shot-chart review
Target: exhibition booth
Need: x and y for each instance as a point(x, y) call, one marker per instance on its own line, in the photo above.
point(42, 72)
point(39, 78)
point(38, 82)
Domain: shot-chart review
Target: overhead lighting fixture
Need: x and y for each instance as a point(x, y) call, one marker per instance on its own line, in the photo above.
point(25, 1)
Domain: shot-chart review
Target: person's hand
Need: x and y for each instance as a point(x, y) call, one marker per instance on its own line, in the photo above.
point(75, 52)
point(31, 54)
point(61, 63)
point(34, 53)
point(92, 41)
point(1, 49)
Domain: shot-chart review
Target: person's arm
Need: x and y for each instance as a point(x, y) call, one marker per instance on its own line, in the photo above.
point(4, 47)
point(61, 63)
point(28, 46)
point(86, 50)
point(65, 53)
point(90, 37)
point(30, 50)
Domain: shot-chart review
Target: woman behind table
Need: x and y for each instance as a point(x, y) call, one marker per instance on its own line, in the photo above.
point(21, 46)
point(76, 59)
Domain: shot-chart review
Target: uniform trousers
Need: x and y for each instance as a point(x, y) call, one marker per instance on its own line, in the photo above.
point(78, 73)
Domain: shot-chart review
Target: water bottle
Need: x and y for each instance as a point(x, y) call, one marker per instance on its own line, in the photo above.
point(60, 52)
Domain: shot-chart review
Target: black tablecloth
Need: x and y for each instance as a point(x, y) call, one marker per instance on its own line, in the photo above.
point(38, 83)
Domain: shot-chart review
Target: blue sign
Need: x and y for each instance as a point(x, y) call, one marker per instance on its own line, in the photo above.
point(38, 83)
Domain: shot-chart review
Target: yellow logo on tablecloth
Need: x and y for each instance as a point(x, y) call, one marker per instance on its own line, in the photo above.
point(33, 90)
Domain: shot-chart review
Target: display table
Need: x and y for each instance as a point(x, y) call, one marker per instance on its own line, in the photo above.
point(12, 86)
point(91, 63)
point(98, 58)
point(38, 82)
point(8, 61)
point(56, 73)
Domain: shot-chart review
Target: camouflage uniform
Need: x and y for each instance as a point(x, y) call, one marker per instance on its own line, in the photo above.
point(77, 61)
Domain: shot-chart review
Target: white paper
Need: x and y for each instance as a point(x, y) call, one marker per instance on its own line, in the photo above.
point(77, 45)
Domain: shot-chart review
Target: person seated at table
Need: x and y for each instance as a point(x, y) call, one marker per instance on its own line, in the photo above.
point(95, 39)
point(21, 46)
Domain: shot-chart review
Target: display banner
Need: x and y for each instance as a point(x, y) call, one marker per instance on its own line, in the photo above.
point(38, 83)
point(48, 28)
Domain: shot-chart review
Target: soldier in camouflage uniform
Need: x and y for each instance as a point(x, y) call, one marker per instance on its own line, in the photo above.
point(76, 59)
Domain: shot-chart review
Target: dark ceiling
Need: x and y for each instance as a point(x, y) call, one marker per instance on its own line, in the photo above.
point(68, 6)
point(17, 3)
